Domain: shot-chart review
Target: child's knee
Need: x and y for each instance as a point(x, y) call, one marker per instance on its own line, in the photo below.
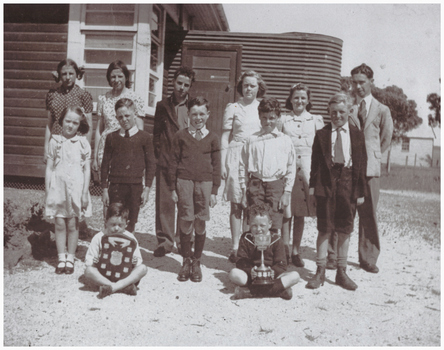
point(294, 277)
point(236, 210)
point(237, 276)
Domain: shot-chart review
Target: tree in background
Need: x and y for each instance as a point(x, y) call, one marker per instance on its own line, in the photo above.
point(404, 113)
point(435, 105)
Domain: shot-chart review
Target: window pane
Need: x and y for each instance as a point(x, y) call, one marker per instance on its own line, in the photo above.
point(110, 7)
point(98, 41)
point(151, 100)
point(107, 56)
point(109, 19)
point(155, 22)
point(211, 62)
point(154, 56)
point(95, 77)
point(212, 75)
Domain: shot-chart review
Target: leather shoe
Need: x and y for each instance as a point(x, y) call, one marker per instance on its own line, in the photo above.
point(287, 294)
point(184, 273)
point(372, 268)
point(343, 280)
point(160, 251)
point(318, 279)
point(331, 264)
point(233, 257)
point(196, 271)
point(297, 260)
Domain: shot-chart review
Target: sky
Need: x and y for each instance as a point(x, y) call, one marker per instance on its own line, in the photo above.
point(400, 42)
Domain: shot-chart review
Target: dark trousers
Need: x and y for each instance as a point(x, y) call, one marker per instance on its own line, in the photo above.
point(259, 191)
point(165, 211)
point(369, 246)
point(337, 213)
point(130, 195)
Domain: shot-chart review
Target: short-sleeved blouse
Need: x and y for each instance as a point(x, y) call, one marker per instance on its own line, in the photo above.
point(58, 99)
point(242, 120)
point(105, 109)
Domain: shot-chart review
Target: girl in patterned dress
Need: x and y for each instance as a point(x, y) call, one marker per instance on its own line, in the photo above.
point(66, 95)
point(118, 77)
point(241, 119)
point(301, 126)
point(66, 183)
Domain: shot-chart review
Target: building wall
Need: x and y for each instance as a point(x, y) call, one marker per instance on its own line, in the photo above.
point(283, 60)
point(422, 148)
point(31, 52)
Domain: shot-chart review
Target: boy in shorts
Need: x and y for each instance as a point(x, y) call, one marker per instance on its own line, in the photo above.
point(249, 256)
point(113, 260)
point(195, 176)
point(267, 167)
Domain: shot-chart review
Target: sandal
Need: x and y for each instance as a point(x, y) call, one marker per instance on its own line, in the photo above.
point(69, 270)
point(61, 266)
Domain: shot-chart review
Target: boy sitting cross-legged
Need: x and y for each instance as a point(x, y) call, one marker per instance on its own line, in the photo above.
point(113, 260)
point(249, 256)
point(194, 180)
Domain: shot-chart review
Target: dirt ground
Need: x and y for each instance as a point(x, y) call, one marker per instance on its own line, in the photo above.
point(399, 306)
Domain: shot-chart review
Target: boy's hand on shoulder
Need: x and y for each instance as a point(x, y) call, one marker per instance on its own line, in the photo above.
point(253, 272)
point(145, 196)
point(174, 196)
point(360, 201)
point(285, 200)
point(311, 191)
point(213, 201)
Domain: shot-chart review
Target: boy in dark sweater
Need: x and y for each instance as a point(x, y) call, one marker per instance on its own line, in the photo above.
point(195, 177)
point(249, 258)
point(127, 155)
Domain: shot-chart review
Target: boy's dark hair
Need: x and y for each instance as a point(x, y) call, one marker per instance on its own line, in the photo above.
point(117, 209)
point(199, 101)
point(69, 62)
point(363, 69)
point(84, 126)
point(185, 71)
point(260, 209)
point(260, 82)
point(125, 102)
point(269, 104)
point(118, 64)
point(298, 87)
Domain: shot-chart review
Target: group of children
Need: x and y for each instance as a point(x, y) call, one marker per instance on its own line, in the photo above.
point(266, 175)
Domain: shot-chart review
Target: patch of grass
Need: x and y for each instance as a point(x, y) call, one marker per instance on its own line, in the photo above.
point(418, 179)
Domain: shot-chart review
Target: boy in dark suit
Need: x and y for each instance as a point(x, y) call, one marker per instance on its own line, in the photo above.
point(171, 116)
point(337, 179)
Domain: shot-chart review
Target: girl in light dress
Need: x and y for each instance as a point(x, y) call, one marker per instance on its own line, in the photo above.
point(66, 183)
point(241, 119)
point(301, 126)
point(118, 77)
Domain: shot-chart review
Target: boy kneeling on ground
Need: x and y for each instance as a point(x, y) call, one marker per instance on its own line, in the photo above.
point(249, 258)
point(113, 260)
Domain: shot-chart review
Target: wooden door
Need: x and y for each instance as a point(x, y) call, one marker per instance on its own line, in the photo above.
point(217, 68)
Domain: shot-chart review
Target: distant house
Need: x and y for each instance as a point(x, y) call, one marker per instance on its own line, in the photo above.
point(420, 147)
point(153, 40)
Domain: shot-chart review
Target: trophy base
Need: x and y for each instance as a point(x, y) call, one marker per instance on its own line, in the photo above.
point(262, 281)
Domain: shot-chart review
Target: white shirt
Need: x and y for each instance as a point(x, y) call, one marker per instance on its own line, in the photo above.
point(131, 131)
point(268, 157)
point(193, 131)
point(345, 137)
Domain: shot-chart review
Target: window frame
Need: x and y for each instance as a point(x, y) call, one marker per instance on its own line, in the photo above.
point(405, 144)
